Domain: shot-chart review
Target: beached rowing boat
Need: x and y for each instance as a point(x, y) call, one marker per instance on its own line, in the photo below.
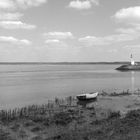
point(87, 96)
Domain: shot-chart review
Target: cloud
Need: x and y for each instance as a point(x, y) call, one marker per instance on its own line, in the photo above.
point(13, 40)
point(133, 30)
point(132, 47)
point(112, 51)
point(7, 4)
point(126, 30)
point(107, 40)
point(25, 42)
point(10, 16)
point(131, 17)
point(82, 5)
point(58, 35)
point(29, 3)
point(56, 44)
point(48, 41)
point(128, 15)
point(23, 4)
point(16, 25)
point(92, 40)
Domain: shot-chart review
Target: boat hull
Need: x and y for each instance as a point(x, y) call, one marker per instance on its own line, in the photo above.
point(87, 96)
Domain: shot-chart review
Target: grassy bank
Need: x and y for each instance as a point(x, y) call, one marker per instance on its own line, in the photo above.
point(64, 119)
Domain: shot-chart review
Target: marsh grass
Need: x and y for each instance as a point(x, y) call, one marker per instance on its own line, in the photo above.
point(5, 135)
point(37, 138)
point(121, 93)
point(63, 119)
point(37, 113)
point(114, 114)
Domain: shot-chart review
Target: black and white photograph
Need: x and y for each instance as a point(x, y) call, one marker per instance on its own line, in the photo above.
point(69, 69)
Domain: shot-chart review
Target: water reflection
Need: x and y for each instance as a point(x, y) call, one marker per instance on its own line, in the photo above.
point(133, 81)
point(87, 103)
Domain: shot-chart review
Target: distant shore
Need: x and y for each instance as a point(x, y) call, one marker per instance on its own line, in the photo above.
point(113, 116)
point(62, 63)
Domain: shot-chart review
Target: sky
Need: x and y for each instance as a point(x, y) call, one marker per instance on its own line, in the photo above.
point(69, 30)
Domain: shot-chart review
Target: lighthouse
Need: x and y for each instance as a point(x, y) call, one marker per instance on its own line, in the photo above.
point(132, 60)
point(133, 66)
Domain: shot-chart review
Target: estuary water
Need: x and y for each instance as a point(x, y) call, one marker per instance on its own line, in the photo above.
point(22, 85)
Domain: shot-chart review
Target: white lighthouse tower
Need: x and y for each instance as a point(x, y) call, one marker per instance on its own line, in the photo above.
point(132, 60)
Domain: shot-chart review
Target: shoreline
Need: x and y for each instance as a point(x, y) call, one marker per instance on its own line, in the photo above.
point(61, 118)
point(66, 63)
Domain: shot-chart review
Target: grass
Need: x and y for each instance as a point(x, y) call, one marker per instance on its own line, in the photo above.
point(4, 135)
point(62, 119)
point(122, 93)
point(36, 113)
point(114, 114)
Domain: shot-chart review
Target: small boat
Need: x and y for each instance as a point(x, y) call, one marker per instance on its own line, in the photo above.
point(87, 96)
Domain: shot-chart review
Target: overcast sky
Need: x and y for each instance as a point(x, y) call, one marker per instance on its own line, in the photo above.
point(69, 30)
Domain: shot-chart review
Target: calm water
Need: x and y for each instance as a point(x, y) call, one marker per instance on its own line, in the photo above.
point(27, 84)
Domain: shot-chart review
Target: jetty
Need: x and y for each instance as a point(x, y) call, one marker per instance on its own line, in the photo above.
point(133, 66)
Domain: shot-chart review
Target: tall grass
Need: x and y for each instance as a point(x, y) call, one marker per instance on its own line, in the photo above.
point(37, 111)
